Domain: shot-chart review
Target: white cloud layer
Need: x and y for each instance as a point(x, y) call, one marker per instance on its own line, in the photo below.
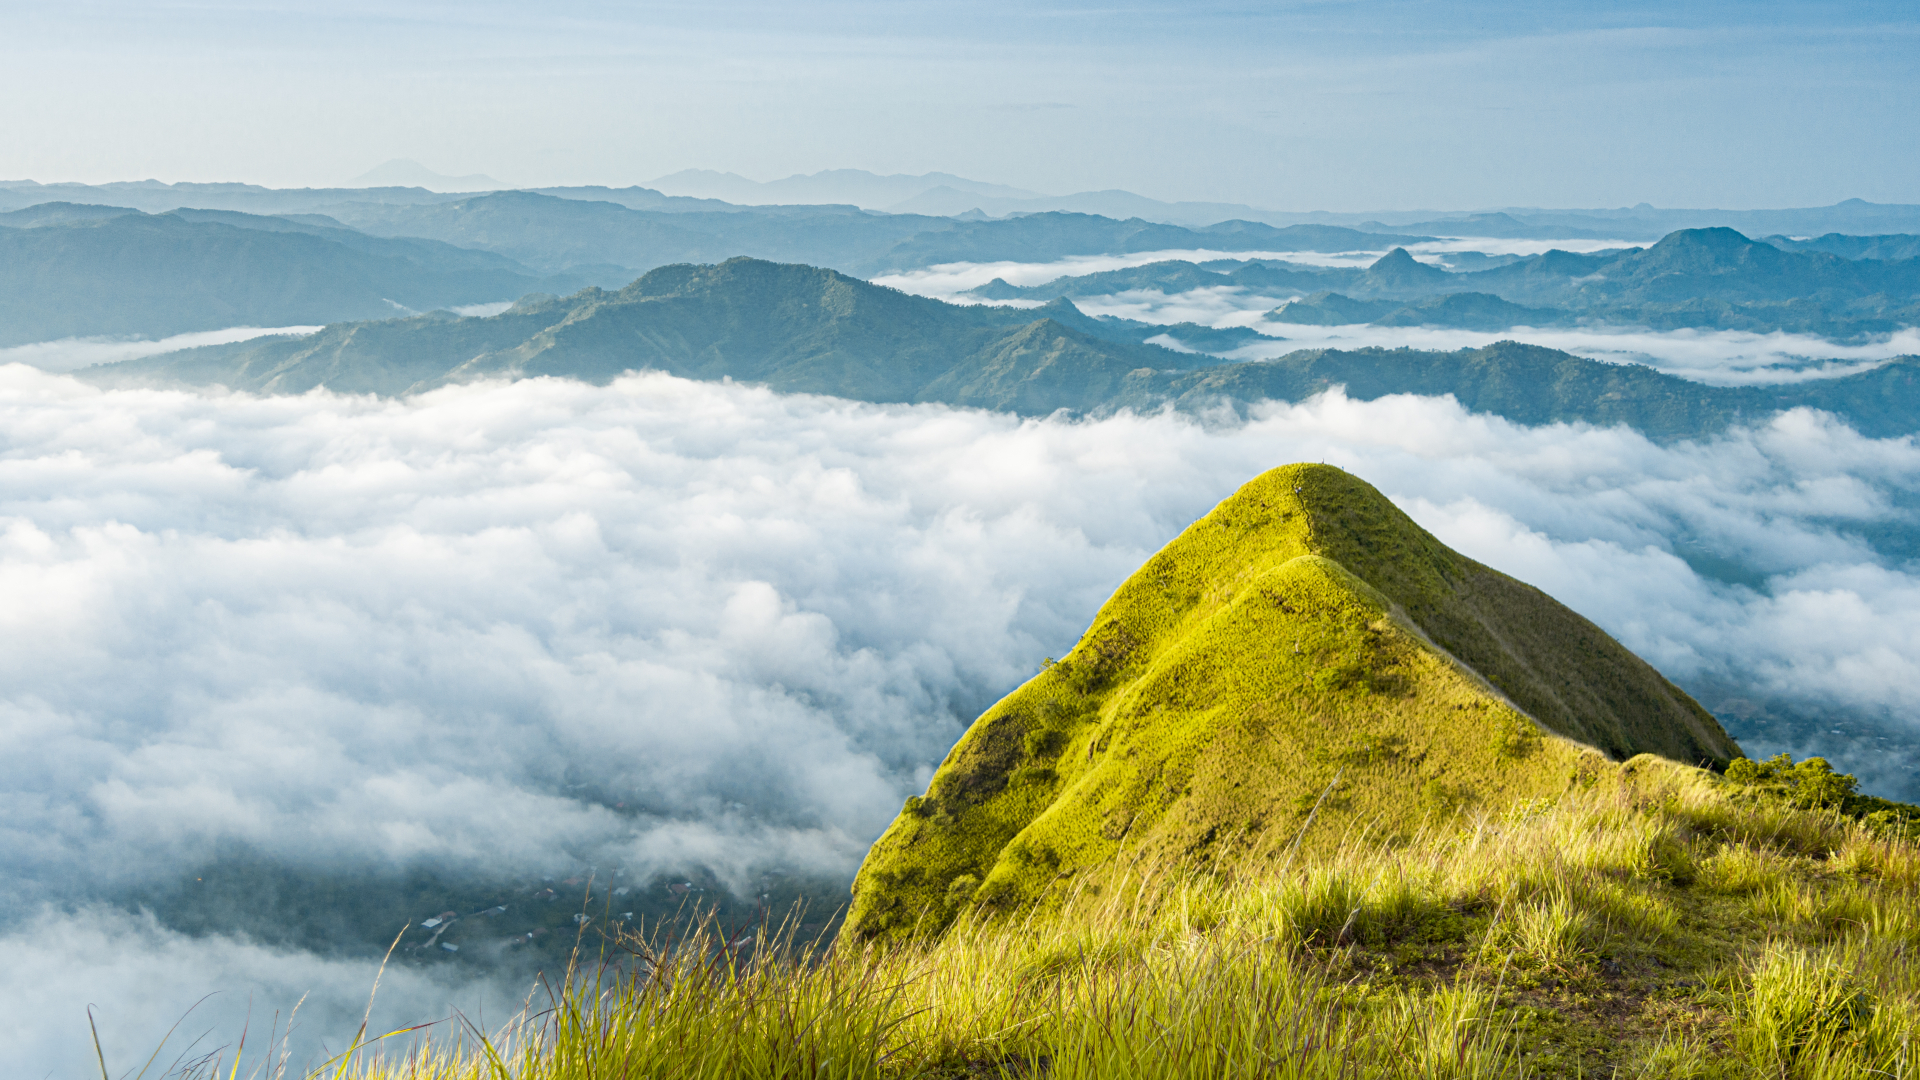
point(345, 630)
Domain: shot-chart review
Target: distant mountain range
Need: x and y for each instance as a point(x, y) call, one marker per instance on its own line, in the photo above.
point(1703, 278)
point(368, 258)
point(78, 271)
point(1050, 236)
point(613, 243)
point(805, 329)
point(187, 270)
point(605, 240)
point(947, 195)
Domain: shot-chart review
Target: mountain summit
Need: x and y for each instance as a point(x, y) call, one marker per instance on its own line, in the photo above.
point(1305, 645)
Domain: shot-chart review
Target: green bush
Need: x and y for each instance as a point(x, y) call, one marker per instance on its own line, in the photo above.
point(1812, 784)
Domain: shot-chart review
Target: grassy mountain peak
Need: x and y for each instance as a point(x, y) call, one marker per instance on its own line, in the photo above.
point(1303, 649)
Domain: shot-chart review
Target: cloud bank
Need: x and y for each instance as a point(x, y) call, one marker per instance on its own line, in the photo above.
point(462, 628)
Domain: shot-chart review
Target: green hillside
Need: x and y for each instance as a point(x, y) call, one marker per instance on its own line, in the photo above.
point(1303, 645)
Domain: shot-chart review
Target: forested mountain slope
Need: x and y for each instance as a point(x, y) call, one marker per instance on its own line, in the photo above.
point(804, 329)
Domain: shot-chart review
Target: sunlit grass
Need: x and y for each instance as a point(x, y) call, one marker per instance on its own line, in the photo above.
point(1664, 926)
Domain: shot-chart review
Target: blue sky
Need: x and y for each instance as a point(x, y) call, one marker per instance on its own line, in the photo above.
point(1341, 106)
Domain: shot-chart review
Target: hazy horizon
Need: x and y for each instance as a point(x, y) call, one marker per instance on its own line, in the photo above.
point(443, 183)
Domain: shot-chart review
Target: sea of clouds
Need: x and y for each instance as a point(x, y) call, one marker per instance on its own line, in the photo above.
point(347, 631)
point(1715, 357)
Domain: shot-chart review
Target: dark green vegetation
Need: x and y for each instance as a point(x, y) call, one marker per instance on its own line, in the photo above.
point(1304, 637)
point(68, 271)
point(1704, 278)
point(1813, 785)
point(801, 329)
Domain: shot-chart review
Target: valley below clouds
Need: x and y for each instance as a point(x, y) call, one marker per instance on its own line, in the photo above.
point(522, 627)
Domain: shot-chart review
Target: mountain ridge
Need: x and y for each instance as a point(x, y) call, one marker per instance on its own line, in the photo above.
point(813, 330)
point(1709, 278)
